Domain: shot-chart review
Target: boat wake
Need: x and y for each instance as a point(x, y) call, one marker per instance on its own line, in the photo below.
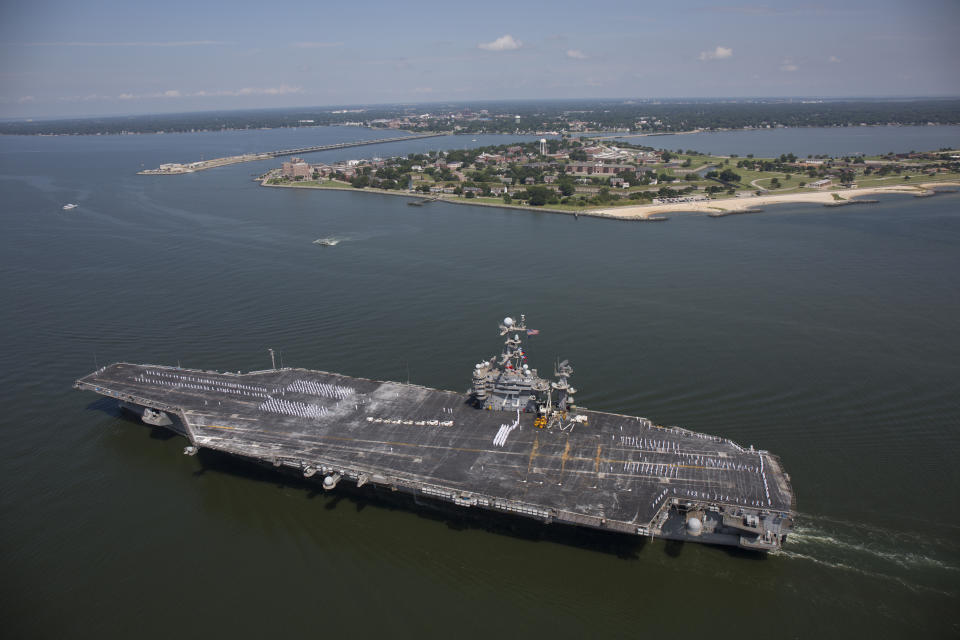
point(905, 560)
point(920, 563)
point(328, 242)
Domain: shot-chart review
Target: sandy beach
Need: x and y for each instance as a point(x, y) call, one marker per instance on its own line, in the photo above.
point(650, 211)
point(732, 205)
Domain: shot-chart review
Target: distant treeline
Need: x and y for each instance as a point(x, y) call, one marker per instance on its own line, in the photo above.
point(502, 117)
point(684, 116)
point(195, 121)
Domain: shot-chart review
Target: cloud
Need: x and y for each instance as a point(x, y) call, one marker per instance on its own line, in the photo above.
point(503, 43)
point(746, 9)
point(25, 99)
point(177, 94)
point(767, 10)
point(576, 54)
point(177, 43)
point(282, 90)
point(719, 53)
point(316, 45)
point(86, 98)
point(787, 65)
point(833, 59)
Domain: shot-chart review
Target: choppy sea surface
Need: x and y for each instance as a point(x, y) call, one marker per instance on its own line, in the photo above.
point(827, 336)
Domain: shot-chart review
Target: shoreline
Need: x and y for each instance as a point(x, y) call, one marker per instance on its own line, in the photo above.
point(593, 134)
point(654, 212)
point(417, 196)
point(727, 206)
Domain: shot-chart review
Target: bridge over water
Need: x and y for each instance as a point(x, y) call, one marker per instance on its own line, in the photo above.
point(191, 167)
point(344, 145)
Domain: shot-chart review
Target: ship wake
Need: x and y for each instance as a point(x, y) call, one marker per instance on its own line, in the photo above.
point(920, 563)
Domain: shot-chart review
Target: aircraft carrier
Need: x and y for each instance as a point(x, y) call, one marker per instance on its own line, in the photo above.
point(516, 443)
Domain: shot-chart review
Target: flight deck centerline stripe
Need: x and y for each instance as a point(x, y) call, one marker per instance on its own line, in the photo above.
point(401, 444)
point(597, 460)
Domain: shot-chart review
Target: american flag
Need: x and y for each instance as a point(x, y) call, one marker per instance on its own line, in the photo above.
point(533, 332)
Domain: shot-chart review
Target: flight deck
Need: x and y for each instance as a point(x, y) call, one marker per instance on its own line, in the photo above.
point(585, 468)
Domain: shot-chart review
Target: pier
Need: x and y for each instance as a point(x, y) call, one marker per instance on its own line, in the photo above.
point(176, 168)
point(420, 203)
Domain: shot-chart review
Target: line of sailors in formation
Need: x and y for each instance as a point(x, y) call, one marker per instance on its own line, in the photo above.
point(644, 422)
point(764, 476)
point(229, 386)
point(644, 466)
point(654, 468)
point(183, 384)
point(293, 408)
point(696, 458)
point(703, 495)
point(407, 421)
point(659, 497)
point(637, 441)
point(320, 389)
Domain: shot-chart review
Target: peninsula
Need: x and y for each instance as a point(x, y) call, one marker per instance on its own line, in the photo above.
point(586, 176)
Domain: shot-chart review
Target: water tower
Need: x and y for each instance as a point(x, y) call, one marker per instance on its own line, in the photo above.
point(543, 146)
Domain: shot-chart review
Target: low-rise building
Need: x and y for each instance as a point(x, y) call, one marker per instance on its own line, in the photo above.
point(598, 168)
point(296, 168)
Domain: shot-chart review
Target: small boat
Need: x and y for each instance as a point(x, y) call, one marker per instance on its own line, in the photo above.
point(69, 206)
point(327, 242)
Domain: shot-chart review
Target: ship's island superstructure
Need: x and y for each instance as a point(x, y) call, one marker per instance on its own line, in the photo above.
point(516, 443)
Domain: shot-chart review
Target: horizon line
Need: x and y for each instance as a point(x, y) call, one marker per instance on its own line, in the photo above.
point(662, 99)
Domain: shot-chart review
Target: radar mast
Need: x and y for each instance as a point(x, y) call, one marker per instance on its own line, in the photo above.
point(507, 383)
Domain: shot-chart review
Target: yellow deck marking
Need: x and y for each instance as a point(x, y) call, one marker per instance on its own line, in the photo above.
point(564, 457)
point(533, 452)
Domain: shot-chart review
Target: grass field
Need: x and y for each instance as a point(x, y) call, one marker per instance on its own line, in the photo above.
point(750, 180)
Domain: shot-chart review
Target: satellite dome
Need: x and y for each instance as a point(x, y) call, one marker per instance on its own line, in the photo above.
point(694, 526)
point(508, 321)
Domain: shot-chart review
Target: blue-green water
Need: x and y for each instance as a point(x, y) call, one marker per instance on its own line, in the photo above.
point(827, 336)
point(804, 141)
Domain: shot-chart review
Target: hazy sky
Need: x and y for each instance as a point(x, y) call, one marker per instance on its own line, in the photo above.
point(82, 57)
